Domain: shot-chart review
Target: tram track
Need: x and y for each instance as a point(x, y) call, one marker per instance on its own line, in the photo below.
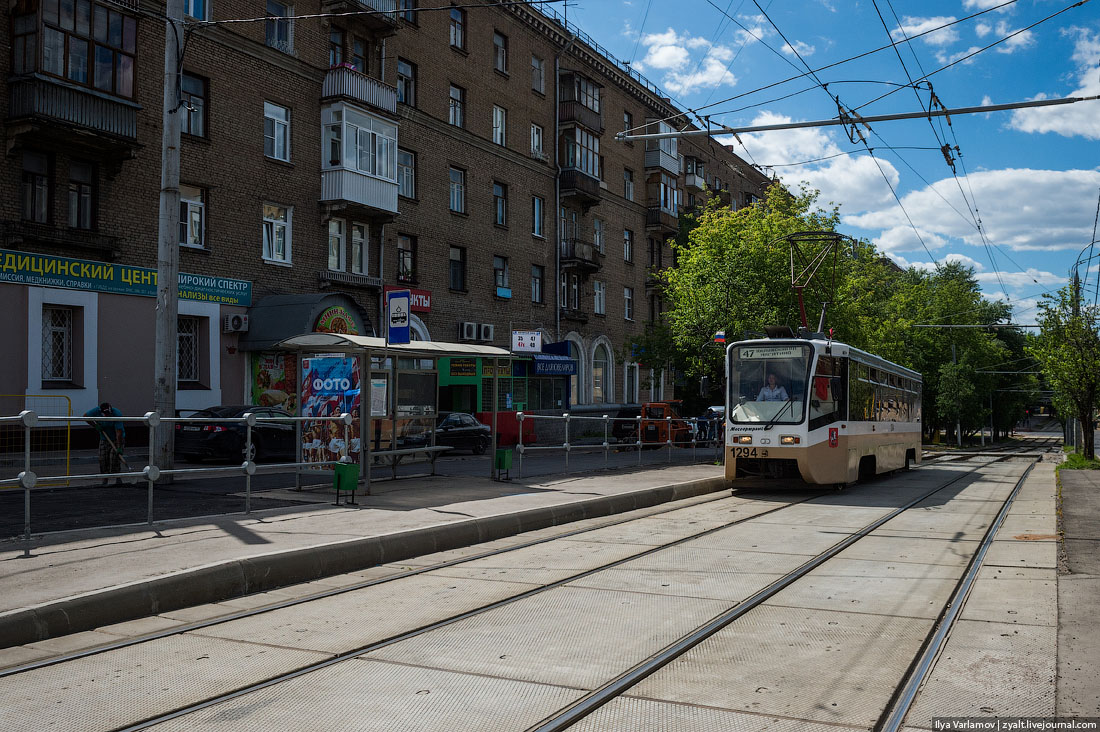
point(562, 722)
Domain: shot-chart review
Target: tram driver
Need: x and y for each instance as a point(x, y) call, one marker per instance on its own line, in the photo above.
point(772, 391)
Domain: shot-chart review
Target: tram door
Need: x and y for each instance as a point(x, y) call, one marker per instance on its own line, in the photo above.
point(828, 393)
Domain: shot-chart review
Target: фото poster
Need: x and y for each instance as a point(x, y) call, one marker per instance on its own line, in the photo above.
point(330, 387)
point(273, 381)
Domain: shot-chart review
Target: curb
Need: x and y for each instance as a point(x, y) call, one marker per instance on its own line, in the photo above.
point(237, 577)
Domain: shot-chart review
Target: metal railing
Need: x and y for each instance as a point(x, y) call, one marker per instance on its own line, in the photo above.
point(703, 433)
point(151, 473)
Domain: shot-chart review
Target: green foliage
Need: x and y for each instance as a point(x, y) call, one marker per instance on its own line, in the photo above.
point(1075, 461)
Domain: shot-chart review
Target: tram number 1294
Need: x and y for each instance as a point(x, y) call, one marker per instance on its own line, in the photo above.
point(748, 452)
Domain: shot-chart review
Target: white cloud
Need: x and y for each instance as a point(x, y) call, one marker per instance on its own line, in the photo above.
point(1082, 118)
point(983, 5)
point(1021, 279)
point(1026, 39)
point(911, 26)
point(983, 29)
point(804, 49)
point(689, 62)
point(905, 238)
point(949, 58)
point(965, 261)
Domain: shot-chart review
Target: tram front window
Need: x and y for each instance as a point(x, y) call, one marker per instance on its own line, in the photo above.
point(768, 383)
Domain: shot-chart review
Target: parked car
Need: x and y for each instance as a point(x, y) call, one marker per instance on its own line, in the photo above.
point(459, 430)
point(197, 441)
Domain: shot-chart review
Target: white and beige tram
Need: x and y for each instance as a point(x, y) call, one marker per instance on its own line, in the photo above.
point(817, 411)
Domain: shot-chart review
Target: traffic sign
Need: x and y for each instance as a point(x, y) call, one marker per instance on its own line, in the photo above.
point(397, 317)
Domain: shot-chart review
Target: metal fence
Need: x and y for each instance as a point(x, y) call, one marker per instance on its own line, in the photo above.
point(51, 452)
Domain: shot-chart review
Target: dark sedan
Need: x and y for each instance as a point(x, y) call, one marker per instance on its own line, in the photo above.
point(196, 441)
point(458, 430)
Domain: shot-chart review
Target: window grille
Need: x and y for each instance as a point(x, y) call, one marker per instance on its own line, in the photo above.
point(188, 349)
point(57, 344)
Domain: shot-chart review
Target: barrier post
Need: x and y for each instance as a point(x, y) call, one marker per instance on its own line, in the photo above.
point(519, 447)
point(152, 419)
point(27, 477)
point(638, 433)
point(566, 445)
point(249, 420)
point(668, 439)
point(694, 436)
point(605, 443)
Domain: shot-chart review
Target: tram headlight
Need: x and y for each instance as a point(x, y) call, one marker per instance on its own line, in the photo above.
point(790, 440)
point(744, 439)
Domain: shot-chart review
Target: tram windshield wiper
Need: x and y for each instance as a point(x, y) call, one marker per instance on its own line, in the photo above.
point(773, 420)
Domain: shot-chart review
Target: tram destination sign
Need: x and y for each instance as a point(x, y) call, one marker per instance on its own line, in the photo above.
point(25, 268)
point(752, 353)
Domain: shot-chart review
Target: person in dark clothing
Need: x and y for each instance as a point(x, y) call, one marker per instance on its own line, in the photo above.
point(112, 439)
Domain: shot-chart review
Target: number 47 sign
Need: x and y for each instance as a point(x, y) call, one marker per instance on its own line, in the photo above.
point(526, 341)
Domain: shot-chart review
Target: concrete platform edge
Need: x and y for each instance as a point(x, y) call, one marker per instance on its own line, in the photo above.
point(245, 576)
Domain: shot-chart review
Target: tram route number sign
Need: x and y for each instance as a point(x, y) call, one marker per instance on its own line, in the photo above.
point(754, 353)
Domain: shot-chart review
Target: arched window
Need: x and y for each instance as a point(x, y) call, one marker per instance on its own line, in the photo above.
point(575, 379)
point(601, 372)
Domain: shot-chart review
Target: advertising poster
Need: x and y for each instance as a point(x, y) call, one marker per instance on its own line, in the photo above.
point(274, 380)
point(330, 387)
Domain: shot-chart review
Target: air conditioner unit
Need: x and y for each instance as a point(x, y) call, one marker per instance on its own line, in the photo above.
point(485, 332)
point(235, 324)
point(467, 331)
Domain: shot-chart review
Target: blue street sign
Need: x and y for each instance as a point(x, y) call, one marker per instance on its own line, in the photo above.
point(397, 316)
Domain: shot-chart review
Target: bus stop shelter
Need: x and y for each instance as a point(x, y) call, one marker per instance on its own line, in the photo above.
point(387, 388)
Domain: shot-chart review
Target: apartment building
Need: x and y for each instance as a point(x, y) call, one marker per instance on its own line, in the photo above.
point(466, 154)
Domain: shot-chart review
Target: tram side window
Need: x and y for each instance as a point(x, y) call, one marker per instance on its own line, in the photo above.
point(862, 394)
point(828, 402)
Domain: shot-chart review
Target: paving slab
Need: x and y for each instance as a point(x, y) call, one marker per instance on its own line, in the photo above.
point(884, 545)
point(1032, 601)
point(629, 714)
point(1022, 552)
point(1078, 645)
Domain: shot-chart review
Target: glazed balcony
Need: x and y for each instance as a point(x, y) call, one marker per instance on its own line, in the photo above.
point(694, 183)
point(658, 159)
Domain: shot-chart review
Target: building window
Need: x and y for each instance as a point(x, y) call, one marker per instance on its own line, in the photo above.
point(628, 303)
point(601, 370)
point(500, 125)
point(277, 223)
point(193, 90)
point(406, 82)
point(628, 122)
point(336, 40)
point(406, 258)
point(276, 131)
point(536, 142)
point(597, 235)
point(583, 152)
point(406, 10)
point(458, 190)
point(599, 297)
point(458, 28)
point(628, 184)
point(196, 9)
point(359, 142)
point(628, 245)
point(538, 74)
point(192, 216)
point(279, 27)
point(500, 272)
point(563, 291)
point(575, 292)
point(57, 343)
point(538, 276)
point(458, 269)
point(336, 245)
point(187, 350)
point(457, 106)
point(36, 187)
point(670, 194)
point(84, 42)
point(81, 195)
point(359, 55)
point(406, 174)
point(500, 52)
point(360, 235)
point(500, 204)
point(538, 206)
point(630, 383)
point(587, 93)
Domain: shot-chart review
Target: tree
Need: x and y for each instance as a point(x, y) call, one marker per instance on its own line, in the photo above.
point(1068, 351)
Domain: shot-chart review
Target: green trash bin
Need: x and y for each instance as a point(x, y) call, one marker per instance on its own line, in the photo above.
point(345, 479)
point(503, 463)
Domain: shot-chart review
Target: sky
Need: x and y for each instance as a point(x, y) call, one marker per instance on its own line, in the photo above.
point(1018, 202)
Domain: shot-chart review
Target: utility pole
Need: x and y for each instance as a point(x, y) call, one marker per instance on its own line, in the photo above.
point(165, 365)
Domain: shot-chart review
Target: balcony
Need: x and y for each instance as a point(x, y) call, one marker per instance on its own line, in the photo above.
point(367, 196)
point(48, 111)
point(658, 159)
point(658, 219)
point(580, 255)
point(381, 15)
point(694, 183)
point(571, 112)
point(580, 185)
point(342, 82)
point(368, 282)
point(16, 234)
point(575, 315)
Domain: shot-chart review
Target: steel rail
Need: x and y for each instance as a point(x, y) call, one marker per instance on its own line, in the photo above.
point(590, 702)
point(902, 700)
point(252, 612)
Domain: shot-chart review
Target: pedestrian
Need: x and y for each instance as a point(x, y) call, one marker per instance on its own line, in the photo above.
point(112, 439)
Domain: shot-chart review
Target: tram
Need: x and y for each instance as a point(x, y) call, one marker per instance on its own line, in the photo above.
point(813, 410)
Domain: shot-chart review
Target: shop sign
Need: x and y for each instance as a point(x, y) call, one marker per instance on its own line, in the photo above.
point(550, 365)
point(504, 369)
point(43, 270)
point(526, 341)
point(420, 301)
point(336, 319)
point(463, 367)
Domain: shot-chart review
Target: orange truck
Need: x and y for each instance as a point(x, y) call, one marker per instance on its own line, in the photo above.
point(655, 424)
